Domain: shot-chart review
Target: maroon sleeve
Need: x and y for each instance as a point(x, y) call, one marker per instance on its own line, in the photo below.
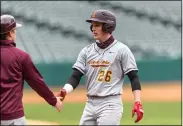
point(36, 81)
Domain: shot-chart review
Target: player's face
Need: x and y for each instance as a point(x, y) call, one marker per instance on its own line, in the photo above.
point(97, 30)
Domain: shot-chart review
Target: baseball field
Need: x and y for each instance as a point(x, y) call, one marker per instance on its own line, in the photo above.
point(161, 103)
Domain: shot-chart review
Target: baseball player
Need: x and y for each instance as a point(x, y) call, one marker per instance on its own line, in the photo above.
point(17, 66)
point(105, 63)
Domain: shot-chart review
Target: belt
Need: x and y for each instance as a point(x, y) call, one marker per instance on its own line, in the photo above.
point(93, 96)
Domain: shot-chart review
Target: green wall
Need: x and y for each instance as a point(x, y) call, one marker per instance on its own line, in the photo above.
point(161, 70)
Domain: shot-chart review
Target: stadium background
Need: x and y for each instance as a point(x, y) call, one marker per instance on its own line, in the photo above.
point(54, 32)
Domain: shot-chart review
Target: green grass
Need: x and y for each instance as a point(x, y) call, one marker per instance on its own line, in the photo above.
point(155, 113)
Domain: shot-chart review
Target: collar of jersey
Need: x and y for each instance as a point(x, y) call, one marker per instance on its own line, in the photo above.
point(98, 49)
point(7, 43)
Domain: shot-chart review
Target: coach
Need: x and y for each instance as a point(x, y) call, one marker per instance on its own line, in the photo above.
point(17, 66)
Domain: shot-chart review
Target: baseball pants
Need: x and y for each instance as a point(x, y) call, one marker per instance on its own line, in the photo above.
point(102, 111)
point(19, 121)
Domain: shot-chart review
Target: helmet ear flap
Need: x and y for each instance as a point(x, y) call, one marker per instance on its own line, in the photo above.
point(104, 28)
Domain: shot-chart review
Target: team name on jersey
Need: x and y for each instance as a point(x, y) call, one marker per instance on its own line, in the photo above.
point(99, 63)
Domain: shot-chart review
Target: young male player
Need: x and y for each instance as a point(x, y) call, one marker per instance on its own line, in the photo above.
point(105, 63)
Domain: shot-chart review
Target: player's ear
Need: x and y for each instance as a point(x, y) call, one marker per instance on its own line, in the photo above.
point(12, 32)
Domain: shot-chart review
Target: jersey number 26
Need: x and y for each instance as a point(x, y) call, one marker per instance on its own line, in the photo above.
point(102, 77)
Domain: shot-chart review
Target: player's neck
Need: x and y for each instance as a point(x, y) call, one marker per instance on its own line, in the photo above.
point(105, 38)
point(105, 44)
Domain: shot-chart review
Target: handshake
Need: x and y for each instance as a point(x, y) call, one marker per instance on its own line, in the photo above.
point(60, 97)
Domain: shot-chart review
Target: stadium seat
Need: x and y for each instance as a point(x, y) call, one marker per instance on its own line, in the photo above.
point(48, 46)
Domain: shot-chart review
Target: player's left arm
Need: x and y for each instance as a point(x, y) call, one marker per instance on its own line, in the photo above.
point(135, 84)
point(130, 69)
point(136, 89)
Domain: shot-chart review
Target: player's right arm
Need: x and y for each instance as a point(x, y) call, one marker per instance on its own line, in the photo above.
point(78, 71)
point(71, 84)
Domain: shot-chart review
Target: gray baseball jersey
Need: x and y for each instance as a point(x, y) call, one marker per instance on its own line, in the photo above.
point(105, 68)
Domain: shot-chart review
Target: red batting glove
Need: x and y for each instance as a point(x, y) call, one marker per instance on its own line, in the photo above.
point(137, 108)
point(62, 94)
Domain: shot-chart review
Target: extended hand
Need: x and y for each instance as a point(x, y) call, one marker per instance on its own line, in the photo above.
point(62, 94)
point(137, 108)
point(58, 105)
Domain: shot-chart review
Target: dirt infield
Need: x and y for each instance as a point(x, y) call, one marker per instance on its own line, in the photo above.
point(38, 122)
point(167, 91)
point(161, 92)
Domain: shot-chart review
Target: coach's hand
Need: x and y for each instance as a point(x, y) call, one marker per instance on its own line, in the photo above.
point(58, 105)
point(62, 94)
point(137, 108)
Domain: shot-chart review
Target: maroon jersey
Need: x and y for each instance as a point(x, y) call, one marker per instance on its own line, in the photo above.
point(17, 66)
